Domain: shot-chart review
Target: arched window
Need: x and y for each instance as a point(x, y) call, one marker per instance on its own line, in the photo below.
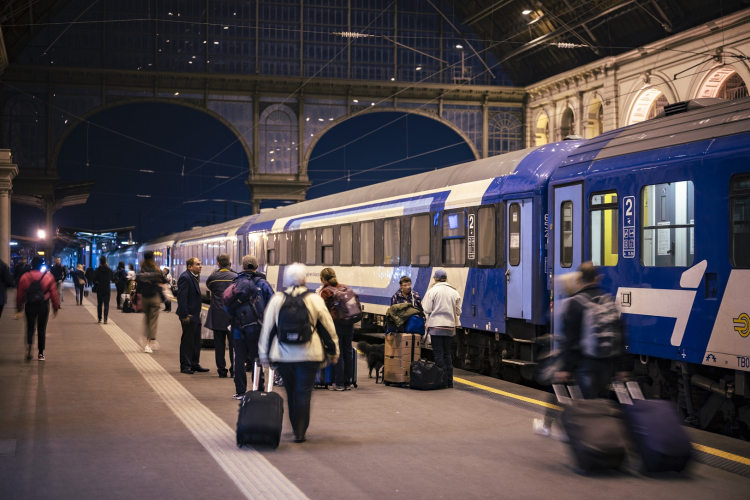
point(505, 134)
point(594, 119)
point(278, 138)
point(541, 135)
point(648, 105)
point(724, 83)
point(567, 124)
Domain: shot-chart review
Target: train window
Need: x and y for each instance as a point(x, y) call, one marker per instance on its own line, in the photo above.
point(514, 233)
point(271, 250)
point(566, 253)
point(345, 259)
point(391, 242)
point(310, 247)
point(282, 241)
point(486, 237)
point(295, 239)
point(326, 252)
point(667, 223)
point(605, 233)
point(740, 211)
point(420, 240)
point(454, 239)
point(367, 243)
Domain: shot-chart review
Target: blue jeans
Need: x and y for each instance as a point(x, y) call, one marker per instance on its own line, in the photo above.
point(345, 366)
point(593, 376)
point(79, 294)
point(298, 379)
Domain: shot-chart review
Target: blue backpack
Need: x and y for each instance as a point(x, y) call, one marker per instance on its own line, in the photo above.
point(415, 325)
point(244, 302)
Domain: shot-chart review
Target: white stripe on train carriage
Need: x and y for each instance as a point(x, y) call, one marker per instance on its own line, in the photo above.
point(255, 476)
point(729, 344)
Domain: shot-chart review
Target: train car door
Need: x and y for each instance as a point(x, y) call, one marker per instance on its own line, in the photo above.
point(568, 240)
point(518, 269)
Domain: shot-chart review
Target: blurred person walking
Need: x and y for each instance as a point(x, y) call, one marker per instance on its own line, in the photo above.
point(149, 281)
point(6, 280)
point(79, 282)
point(442, 303)
point(60, 274)
point(90, 276)
point(298, 363)
point(592, 348)
point(22, 267)
point(102, 288)
point(217, 319)
point(253, 291)
point(121, 280)
point(36, 289)
point(189, 311)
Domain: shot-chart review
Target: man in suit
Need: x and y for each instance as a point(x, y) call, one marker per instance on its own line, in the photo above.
point(189, 311)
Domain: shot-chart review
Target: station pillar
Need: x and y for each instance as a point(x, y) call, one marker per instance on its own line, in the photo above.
point(8, 171)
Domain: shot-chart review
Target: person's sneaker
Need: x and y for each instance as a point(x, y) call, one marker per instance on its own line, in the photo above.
point(347, 388)
point(238, 396)
point(539, 427)
point(100, 320)
point(40, 357)
point(334, 387)
point(154, 345)
point(147, 349)
point(105, 321)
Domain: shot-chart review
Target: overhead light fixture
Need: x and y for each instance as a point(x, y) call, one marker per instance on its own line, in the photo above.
point(419, 68)
point(226, 27)
point(216, 43)
point(526, 12)
point(40, 234)
point(393, 79)
point(355, 100)
point(459, 46)
point(176, 93)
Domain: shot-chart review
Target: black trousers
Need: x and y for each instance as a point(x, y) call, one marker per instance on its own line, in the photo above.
point(36, 319)
point(441, 350)
point(298, 382)
point(102, 301)
point(221, 339)
point(345, 365)
point(190, 346)
point(120, 287)
point(245, 353)
point(1, 310)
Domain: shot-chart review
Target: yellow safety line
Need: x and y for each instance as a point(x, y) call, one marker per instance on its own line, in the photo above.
point(705, 449)
point(507, 394)
point(721, 454)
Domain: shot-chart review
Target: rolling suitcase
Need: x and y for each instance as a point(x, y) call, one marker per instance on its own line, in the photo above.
point(324, 378)
point(425, 376)
point(595, 429)
point(261, 414)
point(656, 430)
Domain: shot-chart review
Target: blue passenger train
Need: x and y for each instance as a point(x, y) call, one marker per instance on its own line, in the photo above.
point(661, 207)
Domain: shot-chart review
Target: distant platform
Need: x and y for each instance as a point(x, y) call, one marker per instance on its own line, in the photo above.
point(101, 419)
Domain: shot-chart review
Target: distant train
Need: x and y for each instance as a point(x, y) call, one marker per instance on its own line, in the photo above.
point(662, 207)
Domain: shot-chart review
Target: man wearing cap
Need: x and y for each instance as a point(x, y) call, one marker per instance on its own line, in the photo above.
point(442, 303)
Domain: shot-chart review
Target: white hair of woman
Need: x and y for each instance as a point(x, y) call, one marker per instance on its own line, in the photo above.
point(295, 275)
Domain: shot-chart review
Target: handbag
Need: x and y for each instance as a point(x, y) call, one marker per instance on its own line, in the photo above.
point(95, 288)
point(81, 282)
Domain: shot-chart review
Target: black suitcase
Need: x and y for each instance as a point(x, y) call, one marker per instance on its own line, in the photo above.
point(425, 375)
point(261, 414)
point(596, 431)
point(127, 306)
point(656, 430)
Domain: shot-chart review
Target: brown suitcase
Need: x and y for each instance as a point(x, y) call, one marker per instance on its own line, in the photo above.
point(400, 350)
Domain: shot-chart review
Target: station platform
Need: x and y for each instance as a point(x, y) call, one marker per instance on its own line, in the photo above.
point(101, 419)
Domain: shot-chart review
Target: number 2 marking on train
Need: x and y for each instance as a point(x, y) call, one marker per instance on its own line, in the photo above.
point(628, 228)
point(629, 201)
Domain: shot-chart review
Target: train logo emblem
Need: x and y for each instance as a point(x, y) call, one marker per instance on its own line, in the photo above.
point(742, 325)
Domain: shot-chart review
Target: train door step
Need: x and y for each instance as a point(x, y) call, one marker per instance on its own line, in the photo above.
point(519, 362)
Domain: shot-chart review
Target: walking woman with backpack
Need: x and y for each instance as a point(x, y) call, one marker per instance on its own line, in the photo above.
point(302, 327)
point(336, 297)
point(35, 291)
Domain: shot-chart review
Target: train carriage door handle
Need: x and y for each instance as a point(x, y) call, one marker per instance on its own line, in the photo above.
point(507, 276)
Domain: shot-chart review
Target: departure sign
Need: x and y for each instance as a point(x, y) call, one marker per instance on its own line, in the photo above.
point(628, 227)
point(472, 239)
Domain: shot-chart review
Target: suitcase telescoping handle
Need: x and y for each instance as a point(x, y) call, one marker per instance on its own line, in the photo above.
point(256, 376)
point(627, 392)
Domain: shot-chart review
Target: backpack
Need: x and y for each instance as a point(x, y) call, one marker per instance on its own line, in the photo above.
point(35, 292)
point(293, 326)
point(244, 302)
point(346, 307)
point(601, 329)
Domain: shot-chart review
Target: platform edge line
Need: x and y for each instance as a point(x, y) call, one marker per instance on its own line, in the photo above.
point(507, 394)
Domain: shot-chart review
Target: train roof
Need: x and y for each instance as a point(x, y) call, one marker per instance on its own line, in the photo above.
point(710, 122)
point(230, 228)
point(479, 170)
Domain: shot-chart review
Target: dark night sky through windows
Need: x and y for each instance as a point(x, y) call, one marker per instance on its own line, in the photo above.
point(132, 177)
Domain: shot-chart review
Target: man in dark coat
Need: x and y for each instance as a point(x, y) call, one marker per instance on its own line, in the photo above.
point(189, 311)
point(60, 274)
point(22, 267)
point(90, 276)
point(6, 280)
point(217, 319)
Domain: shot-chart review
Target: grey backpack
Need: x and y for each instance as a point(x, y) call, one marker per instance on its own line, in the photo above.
point(601, 328)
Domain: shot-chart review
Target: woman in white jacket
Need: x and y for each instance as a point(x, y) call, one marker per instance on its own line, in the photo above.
point(298, 363)
point(442, 303)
